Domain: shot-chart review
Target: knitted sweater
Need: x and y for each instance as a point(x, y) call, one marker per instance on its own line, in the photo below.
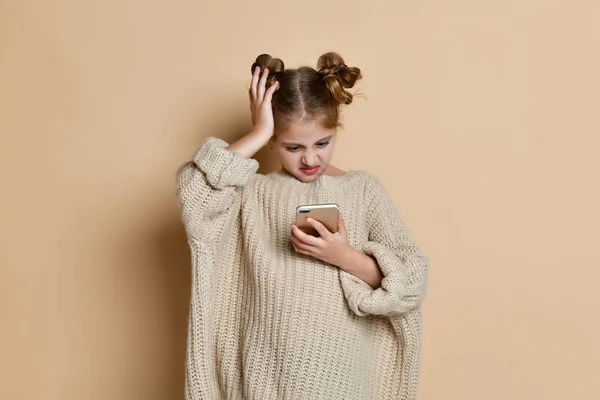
point(267, 322)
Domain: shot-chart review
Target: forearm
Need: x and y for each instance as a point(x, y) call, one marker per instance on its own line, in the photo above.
point(206, 186)
point(250, 144)
point(363, 267)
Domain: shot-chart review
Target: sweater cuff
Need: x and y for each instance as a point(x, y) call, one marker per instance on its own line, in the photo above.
point(222, 167)
point(385, 300)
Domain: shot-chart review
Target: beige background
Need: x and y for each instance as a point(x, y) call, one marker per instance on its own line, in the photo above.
point(480, 117)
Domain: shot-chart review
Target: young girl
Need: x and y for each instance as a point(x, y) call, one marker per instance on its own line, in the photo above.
point(279, 314)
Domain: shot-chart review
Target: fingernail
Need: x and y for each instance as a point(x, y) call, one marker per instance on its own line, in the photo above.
point(309, 219)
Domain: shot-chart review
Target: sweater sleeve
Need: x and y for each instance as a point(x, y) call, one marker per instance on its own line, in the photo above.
point(403, 264)
point(211, 184)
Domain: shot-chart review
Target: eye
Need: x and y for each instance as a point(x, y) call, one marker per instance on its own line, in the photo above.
point(293, 149)
point(322, 144)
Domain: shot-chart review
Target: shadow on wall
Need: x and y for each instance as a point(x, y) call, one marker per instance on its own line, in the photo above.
point(174, 265)
point(175, 262)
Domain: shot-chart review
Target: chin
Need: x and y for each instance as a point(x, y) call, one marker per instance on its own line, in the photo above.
point(307, 178)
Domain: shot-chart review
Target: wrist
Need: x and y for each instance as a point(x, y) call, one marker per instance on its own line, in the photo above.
point(348, 260)
point(262, 134)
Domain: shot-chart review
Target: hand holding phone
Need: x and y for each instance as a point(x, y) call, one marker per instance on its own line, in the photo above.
point(327, 214)
point(324, 237)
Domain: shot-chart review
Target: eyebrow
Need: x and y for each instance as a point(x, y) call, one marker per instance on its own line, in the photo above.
point(318, 141)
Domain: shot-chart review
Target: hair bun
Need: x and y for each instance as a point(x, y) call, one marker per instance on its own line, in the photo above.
point(275, 66)
point(338, 76)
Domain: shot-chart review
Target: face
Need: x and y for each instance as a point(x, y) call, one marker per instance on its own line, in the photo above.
point(305, 149)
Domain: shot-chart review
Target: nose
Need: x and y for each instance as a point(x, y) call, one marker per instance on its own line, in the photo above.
point(309, 158)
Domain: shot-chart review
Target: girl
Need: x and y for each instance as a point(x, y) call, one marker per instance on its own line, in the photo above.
point(279, 314)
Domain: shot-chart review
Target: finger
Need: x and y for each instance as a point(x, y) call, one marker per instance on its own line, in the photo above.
point(261, 85)
point(341, 225)
point(306, 253)
point(254, 83)
point(305, 238)
point(324, 232)
point(252, 108)
point(299, 246)
point(270, 91)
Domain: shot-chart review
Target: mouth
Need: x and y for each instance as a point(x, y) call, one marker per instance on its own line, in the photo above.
point(310, 171)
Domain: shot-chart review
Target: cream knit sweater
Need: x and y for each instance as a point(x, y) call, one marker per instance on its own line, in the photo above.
point(269, 323)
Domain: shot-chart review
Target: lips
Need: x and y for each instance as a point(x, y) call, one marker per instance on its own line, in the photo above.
point(310, 171)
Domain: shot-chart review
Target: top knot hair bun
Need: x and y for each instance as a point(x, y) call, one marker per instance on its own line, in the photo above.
point(338, 76)
point(275, 66)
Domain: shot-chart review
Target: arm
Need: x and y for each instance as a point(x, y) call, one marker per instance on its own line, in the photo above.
point(401, 261)
point(362, 266)
point(262, 116)
point(208, 186)
point(333, 248)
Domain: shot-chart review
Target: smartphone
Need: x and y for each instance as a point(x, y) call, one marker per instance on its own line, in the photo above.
point(327, 214)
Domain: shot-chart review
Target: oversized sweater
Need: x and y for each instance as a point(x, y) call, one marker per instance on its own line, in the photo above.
point(267, 322)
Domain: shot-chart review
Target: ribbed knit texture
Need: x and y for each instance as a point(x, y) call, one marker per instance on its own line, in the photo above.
point(269, 323)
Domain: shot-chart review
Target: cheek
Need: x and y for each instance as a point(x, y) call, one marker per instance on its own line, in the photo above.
point(286, 157)
point(326, 153)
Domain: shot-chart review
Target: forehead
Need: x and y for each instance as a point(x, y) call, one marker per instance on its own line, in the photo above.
point(306, 132)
